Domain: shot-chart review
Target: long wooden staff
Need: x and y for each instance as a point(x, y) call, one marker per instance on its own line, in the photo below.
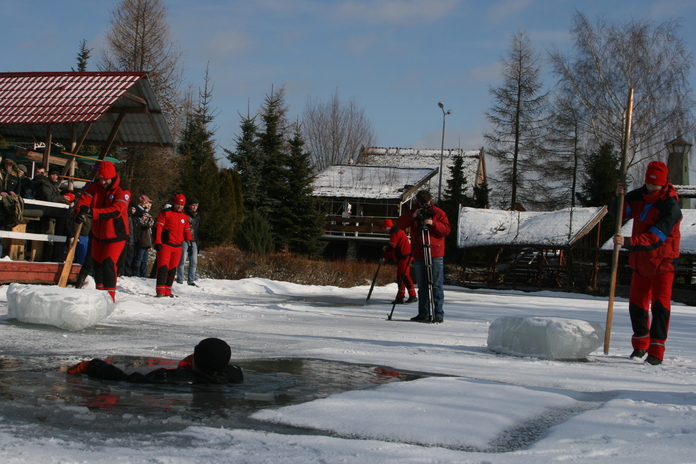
point(67, 267)
point(619, 218)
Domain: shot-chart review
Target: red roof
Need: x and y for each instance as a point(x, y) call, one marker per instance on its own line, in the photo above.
point(61, 97)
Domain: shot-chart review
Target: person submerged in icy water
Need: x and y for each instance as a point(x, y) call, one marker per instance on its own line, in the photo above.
point(209, 363)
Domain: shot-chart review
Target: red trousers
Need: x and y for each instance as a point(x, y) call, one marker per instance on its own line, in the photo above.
point(650, 333)
point(105, 258)
point(403, 278)
point(167, 261)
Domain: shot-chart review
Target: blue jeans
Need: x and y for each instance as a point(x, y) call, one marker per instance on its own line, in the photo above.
point(438, 287)
point(139, 266)
point(192, 253)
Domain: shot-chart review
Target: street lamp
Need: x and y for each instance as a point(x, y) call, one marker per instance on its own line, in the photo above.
point(442, 148)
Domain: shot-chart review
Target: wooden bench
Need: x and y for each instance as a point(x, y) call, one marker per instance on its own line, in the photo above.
point(14, 241)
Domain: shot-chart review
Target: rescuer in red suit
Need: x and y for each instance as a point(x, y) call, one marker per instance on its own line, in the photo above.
point(107, 199)
point(172, 228)
point(399, 251)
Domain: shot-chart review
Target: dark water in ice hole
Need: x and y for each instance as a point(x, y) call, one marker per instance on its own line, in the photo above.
point(33, 391)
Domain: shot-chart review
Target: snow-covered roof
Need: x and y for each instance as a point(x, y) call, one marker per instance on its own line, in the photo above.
point(371, 182)
point(686, 191)
point(687, 229)
point(425, 158)
point(486, 227)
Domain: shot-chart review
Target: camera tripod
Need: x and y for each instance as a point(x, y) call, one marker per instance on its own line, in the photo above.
point(428, 260)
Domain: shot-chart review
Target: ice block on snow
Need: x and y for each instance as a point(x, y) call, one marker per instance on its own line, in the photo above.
point(65, 308)
point(545, 337)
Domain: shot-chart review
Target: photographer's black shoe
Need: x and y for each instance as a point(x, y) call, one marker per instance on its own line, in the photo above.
point(412, 299)
point(438, 320)
point(420, 318)
point(654, 360)
point(399, 300)
point(638, 354)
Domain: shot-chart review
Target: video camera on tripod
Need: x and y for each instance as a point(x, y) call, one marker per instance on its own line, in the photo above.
point(426, 212)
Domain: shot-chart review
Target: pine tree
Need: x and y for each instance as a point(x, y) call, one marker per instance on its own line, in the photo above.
point(254, 234)
point(226, 215)
point(601, 177)
point(453, 199)
point(201, 177)
point(516, 119)
point(301, 223)
point(82, 57)
point(272, 142)
point(248, 160)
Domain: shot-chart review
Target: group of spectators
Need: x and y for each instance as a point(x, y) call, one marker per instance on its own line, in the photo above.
point(117, 234)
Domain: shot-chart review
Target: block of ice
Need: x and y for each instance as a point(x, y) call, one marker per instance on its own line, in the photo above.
point(65, 308)
point(545, 337)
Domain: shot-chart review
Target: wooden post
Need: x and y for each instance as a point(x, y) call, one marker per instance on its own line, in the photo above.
point(619, 218)
point(67, 267)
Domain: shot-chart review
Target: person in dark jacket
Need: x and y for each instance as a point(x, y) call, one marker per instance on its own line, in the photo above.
point(11, 178)
point(172, 228)
point(399, 250)
point(143, 223)
point(654, 251)
point(426, 219)
point(208, 364)
point(107, 201)
point(190, 250)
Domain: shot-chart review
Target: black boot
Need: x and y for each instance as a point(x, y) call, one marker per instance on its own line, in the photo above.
point(399, 300)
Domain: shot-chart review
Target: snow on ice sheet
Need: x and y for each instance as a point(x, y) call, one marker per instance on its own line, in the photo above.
point(450, 412)
point(65, 308)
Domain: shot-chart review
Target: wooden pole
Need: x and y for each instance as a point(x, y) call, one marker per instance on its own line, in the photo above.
point(67, 267)
point(619, 218)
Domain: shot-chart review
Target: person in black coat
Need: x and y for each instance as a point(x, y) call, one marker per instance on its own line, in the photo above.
point(208, 364)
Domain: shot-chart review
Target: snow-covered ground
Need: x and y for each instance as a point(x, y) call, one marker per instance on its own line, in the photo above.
point(608, 410)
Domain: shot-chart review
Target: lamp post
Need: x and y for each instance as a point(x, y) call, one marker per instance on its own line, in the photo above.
point(442, 148)
point(678, 164)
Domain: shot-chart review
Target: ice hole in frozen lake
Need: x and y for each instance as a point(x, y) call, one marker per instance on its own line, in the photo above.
point(34, 390)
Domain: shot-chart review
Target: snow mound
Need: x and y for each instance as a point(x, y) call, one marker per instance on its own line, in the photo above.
point(65, 308)
point(544, 337)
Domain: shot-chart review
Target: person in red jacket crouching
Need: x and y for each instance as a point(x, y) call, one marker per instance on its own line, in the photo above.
point(172, 228)
point(106, 200)
point(399, 251)
point(654, 250)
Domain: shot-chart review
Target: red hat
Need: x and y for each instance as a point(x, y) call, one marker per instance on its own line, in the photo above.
point(387, 223)
point(656, 173)
point(70, 196)
point(107, 170)
point(180, 199)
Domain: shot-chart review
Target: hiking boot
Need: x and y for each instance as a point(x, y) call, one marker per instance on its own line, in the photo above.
point(193, 284)
point(638, 354)
point(654, 360)
point(438, 320)
point(412, 299)
point(159, 295)
point(420, 318)
point(399, 300)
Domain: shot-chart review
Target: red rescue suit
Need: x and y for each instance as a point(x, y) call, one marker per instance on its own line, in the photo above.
point(172, 228)
point(654, 250)
point(399, 251)
point(109, 229)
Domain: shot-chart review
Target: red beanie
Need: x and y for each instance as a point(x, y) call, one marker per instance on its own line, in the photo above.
point(107, 170)
point(656, 173)
point(180, 199)
point(70, 196)
point(387, 223)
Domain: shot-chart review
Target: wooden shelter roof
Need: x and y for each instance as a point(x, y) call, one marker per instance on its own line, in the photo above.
point(87, 103)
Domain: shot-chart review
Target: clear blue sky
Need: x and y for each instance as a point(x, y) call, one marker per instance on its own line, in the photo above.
point(396, 58)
